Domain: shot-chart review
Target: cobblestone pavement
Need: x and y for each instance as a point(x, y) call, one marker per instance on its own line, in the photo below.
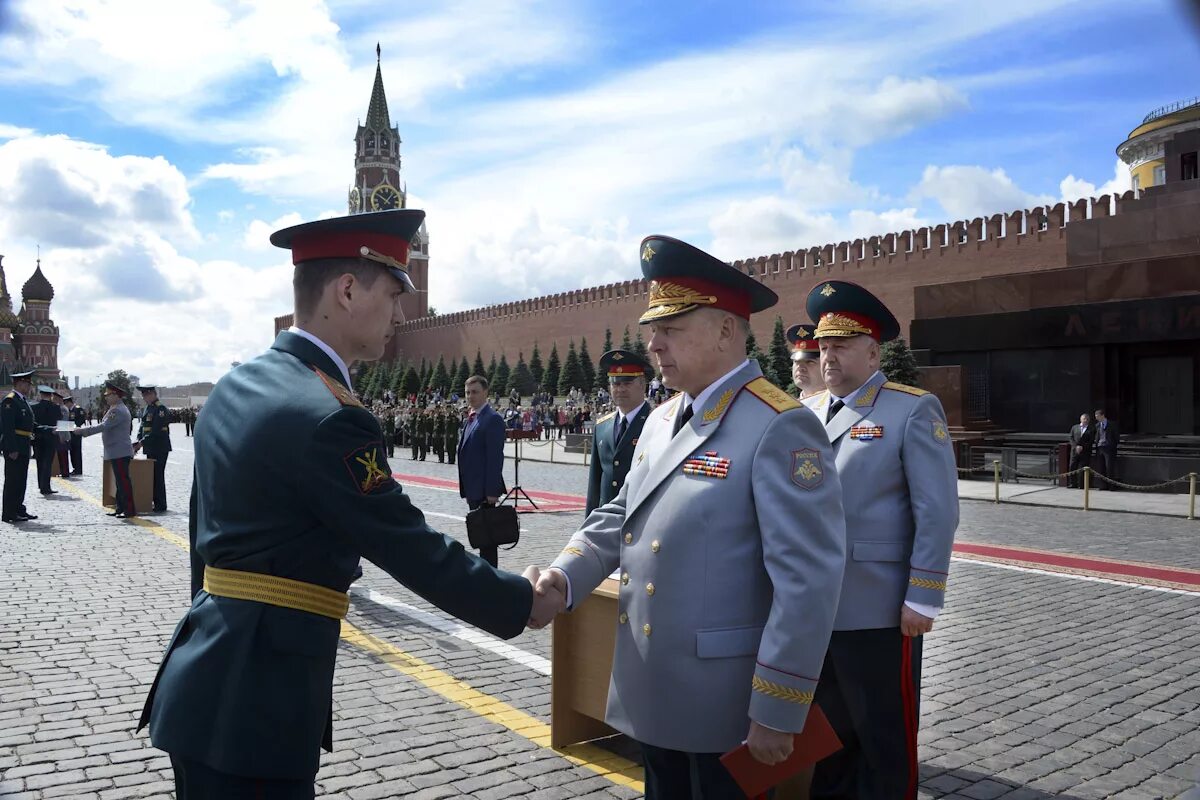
point(1035, 685)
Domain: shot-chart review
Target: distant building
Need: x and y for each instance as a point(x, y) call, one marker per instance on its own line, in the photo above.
point(29, 339)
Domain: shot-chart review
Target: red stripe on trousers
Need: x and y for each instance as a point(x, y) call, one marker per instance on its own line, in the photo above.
point(908, 695)
point(127, 487)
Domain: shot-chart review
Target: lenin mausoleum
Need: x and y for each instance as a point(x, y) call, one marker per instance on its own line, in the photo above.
point(1022, 320)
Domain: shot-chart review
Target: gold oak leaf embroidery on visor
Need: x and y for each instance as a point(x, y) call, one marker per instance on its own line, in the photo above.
point(365, 469)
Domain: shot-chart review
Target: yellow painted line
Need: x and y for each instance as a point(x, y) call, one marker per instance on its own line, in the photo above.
point(616, 769)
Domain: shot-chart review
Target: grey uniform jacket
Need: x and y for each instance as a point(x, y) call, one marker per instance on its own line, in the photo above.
point(115, 426)
point(900, 488)
point(728, 584)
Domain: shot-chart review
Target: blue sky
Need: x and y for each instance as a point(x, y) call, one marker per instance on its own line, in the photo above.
point(150, 148)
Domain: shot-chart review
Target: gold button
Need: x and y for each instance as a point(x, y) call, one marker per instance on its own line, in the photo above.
point(650, 589)
point(628, 538)
point(624, 578)
point(655, 546)
point(624, 618)
point(646, 629)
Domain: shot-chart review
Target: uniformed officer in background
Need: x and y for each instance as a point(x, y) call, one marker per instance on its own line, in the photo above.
point(729, 536)
point(900, 489)
point(75, 447)
point(154, 437)
point(806, 360)
point(17, 432)
point(412, 427)
point(617, 433)
point(389, 430)
point(424, 431)
point(438, 435)
point(45, 443)
point(291, 488)
point(452, 431)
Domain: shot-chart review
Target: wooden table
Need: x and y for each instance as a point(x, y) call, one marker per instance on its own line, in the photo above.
point(581, 658)
point(141, 475)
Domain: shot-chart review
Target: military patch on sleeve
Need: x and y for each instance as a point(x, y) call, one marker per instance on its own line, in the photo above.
point(771, 394)
point(939, 431)
point(368, 468)
point(343, 395)
point(807, 472)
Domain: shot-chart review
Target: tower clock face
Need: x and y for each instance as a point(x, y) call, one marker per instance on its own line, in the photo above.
point(384, 198)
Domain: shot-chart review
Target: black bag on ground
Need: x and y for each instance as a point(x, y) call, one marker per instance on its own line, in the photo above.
point(493, 526)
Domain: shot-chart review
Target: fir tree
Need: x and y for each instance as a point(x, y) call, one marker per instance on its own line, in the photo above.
point(639, 346)
point(586, 368)
point(503, 373)
point(535, 366)
point(607, 341)
point(626, 342)
point(363, 379)
point(571, 376)
point(491, 374)
point(477, 367)
point(753, 352)
point(460, 380)
point(780, 356)
point(397, 385)
point(412, 380)
point(441, 378)
point(550, 379)
point(896, 362)
point(424, 374)
point(522, 378)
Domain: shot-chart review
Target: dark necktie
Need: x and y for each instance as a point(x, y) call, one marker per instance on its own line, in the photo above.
point(683, 418)
point(621, 430)
point(833, 409)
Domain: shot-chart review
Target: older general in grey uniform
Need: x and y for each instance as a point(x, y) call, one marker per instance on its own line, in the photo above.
point(729, 538)
point(898, 473)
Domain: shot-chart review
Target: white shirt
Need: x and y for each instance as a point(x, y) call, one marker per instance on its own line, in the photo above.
point(326, 349)
point(853, 395)
point(626, 417)
point(702, 398)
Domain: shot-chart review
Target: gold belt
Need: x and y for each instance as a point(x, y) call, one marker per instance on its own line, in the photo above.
point(276, 591)
point(24, 433)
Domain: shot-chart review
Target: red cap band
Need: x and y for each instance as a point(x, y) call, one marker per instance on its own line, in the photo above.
point(347, 245)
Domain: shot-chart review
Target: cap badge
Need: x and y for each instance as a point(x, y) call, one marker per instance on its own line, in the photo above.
point(829, 291)
point(647, 252)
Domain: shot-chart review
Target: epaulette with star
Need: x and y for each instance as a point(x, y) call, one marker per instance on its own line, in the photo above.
point(771, 394)
point(343, 395)
point(900, 387)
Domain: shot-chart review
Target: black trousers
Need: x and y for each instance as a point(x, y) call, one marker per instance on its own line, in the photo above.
point(870, 690)
point(76, 449)
point(451, 450)
point(1105, 462)
point(16, 476)
point(45, 459)
point(675, 775)
point(1079, 461)
point(122, 486)
point(488, 554)
point(196, 781)
point(160, 480)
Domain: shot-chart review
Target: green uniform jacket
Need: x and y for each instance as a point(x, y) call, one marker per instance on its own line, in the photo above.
point(16, 425)
point(291, 479)
point(155, 433)
point(611, 460)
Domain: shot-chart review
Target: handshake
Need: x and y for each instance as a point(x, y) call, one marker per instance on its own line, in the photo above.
point(549, 595)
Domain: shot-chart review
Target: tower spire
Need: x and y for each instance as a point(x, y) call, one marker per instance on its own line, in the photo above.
point(378, 118)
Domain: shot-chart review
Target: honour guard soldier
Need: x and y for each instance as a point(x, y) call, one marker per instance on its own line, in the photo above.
point(389, 431)
point(77, 416)
point(900, 486)
point(439, 434)
point(154, 437)
point(291, 488)
point(806, 360)
point(617, 433)
point(45, 446)
point(729, 537)
point(17, 432)
point(413, 426)
point(425, 433)
point(453, 427)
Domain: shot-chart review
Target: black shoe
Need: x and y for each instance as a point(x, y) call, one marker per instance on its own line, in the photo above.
point(27, 516)
point(160, 510)
point(13, 520)
point(114, 514)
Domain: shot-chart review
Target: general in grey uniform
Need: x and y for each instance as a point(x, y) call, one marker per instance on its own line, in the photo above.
point(728, 536)
point(900, 488)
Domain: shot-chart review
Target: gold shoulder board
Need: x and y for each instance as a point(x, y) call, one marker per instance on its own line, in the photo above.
point(343, 395)
point(609, 415)
point(771, 394)
point(900, 387)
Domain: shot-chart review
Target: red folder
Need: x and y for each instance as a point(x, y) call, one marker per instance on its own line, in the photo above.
point(815, 742)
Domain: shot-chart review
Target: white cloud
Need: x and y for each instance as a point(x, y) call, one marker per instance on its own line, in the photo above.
point(966, 192)
point(258, 232)
point(13, 131)
point(1073, 188)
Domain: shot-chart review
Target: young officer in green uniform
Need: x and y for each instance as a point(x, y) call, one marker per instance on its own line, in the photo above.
point(291, 488)
point(439, 435)
point(154, 437)
point(452, 429)
point(17, 430)
point(617, 433)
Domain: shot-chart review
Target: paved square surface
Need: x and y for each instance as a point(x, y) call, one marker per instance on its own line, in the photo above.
point(1035, 684)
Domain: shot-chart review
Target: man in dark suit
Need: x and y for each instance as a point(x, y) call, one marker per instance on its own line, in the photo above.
point(617, 433)
point(292, 486)
point(1083, 436)
point(1108, 437)
point(45, 446)
point(481, 455)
